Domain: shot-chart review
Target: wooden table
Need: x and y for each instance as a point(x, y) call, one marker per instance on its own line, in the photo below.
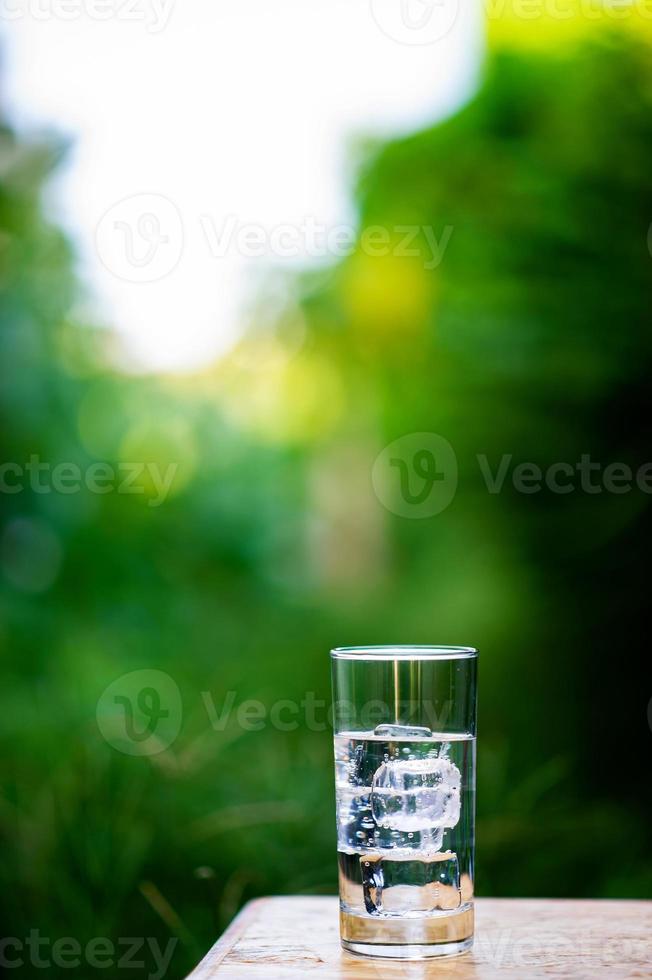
point(519, 938)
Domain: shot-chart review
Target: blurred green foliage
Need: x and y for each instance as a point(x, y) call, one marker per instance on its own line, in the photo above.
point(530, 338)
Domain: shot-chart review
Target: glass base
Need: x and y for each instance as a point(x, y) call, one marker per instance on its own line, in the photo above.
point(408, 937)
point(411, 952)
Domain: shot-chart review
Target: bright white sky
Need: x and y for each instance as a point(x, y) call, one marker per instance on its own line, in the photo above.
point(205, 115)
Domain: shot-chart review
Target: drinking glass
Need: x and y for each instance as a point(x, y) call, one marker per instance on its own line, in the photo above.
point(405, 724)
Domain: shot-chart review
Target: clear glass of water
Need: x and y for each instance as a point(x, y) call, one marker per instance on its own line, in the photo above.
point(405, 723)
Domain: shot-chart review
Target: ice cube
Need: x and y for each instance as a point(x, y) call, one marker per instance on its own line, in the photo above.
point(372, 883)
point(403, 882)
point(416, 795)
point(402, 732)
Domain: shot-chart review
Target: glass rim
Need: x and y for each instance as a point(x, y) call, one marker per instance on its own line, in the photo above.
point(403, 652)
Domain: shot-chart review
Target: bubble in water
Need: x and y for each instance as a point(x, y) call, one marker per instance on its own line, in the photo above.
point(356, 766)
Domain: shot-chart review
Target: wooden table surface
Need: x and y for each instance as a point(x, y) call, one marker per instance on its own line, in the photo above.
point(514, 938)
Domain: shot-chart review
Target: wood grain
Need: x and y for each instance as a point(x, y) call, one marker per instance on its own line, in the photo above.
point(514, 938)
